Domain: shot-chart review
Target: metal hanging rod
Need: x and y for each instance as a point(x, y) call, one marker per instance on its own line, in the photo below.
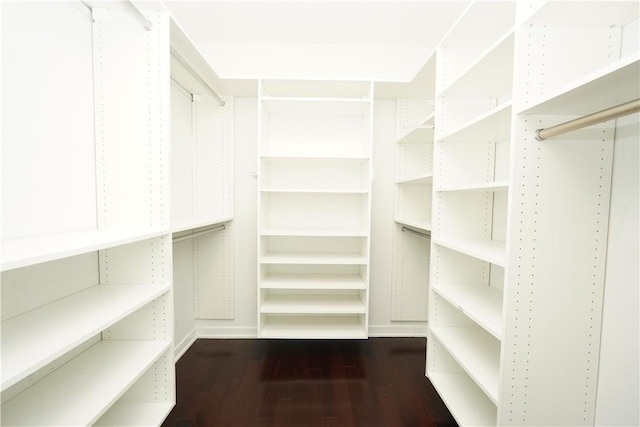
point(417, 233)
point(590, 119)
point(196, 76)
point(198, 233)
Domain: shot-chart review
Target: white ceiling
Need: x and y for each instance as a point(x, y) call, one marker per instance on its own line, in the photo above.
point(314, 39)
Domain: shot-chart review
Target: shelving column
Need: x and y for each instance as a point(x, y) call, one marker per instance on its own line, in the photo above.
point(472, 151)
point(314, 209)
point(412, 207)
point(573, 59)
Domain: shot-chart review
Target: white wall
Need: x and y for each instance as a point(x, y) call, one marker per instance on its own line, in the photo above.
point(618, 376)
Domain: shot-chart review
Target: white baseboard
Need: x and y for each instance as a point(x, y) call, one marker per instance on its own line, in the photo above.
point(238, 332)
point(400, 330)
point(184, 345)
point(242, 332)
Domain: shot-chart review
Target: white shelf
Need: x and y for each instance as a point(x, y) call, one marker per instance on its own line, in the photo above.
point(313, 327)
point(313, 191)
point(34, 339)
point(312, 304)
point(311, 258)
point(483, 187)
point(68, 397)
point(611, 85)
point(467, 403)
point(493, 251)
point(184, 224)
point(486, 69)
point(419, 135)
point(482, 304)
point(476, 352)
point(418, 180)
point(313, 232)
point(420, 224)
point(495, 125)
point(285, 157)
point(313, 282)
point(141, 414)
point(25, 252)
point(312, 99)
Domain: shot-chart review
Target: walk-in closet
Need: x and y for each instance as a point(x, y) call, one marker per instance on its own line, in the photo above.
point(320, 213)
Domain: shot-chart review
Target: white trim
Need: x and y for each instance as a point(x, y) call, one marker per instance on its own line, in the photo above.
point(184, 345)
point(400, 330)
point(227, 332)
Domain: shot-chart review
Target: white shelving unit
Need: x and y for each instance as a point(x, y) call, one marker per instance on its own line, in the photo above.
point(520, 226)
point(472, 150)
point(87, 221)
point(314, 209)
point(412, 198)
point(202, 192)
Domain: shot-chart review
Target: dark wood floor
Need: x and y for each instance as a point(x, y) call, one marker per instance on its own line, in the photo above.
point(374, 382)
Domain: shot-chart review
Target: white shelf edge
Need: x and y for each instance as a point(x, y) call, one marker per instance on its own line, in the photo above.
point(312, 304)
point(313, 282)
point(482, 304)
point(66, 397)
point(478, 61)
point(468, 405)
point(478, 357)
point(486, 186)
point(423, 179)
point(17, 253)
point(306, 158)
point(492, 251)
point(313, 327)
point(423, 225)
point(137, 414)
point(610, 69)
point(314, 259)
point(314, 99)
point(54, 329)
point(310, 191)
point(507, 105)
point(179, 225)
point(294, 232)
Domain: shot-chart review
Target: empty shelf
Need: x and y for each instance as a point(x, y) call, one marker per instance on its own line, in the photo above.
point(312, 304)
point(482, 304)
point(313, 327)
point(68, 397)
point(313, 281)
point(37, 337)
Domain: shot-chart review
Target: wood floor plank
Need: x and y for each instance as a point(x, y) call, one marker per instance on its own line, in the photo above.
point(315, 383)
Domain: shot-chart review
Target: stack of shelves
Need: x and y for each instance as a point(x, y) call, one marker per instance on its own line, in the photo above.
point(474, 80)
point(413, 198)
point(314, 209)
point(87, 306)
point(520, 226)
